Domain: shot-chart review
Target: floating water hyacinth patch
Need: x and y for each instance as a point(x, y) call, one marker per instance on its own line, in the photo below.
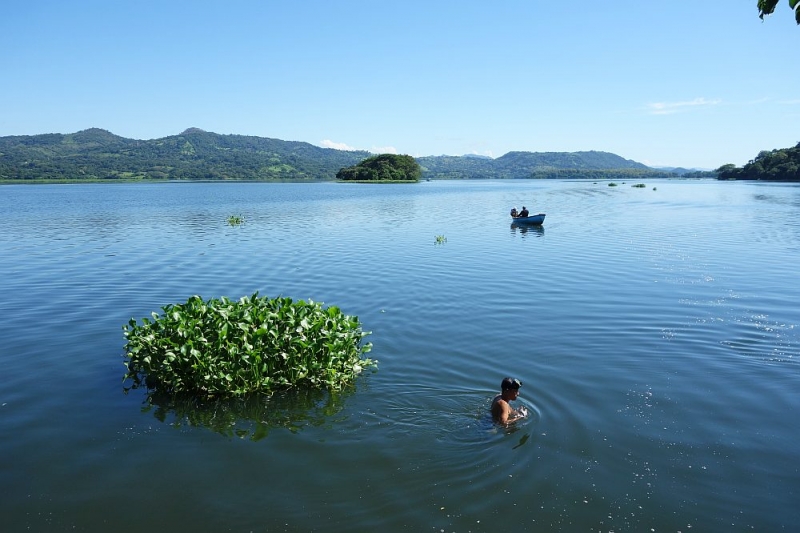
point(235, 220)
point(224, 348)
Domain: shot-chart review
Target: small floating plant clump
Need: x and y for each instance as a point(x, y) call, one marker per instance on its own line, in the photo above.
point(441, 239)
point(235, 220)
point(639, 185)
point(221, 348)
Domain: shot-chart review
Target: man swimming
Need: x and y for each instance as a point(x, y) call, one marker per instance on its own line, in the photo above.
point(502, 412)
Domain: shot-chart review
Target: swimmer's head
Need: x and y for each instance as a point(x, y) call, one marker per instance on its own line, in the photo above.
point(510, 383)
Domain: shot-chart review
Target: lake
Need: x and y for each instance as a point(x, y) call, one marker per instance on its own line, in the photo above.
point(656, 331)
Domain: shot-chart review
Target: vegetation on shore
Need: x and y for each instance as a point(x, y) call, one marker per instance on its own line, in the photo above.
point(601, 174)
point(774, 165)
point(98, 156)
point(383, 168)
point(219, 348)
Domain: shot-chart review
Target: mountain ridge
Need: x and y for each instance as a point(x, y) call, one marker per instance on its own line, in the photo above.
point(195, 154)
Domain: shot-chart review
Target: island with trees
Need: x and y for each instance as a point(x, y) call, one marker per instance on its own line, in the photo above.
point(384, 168)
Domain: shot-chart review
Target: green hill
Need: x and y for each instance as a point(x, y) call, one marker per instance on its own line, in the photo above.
point(521, 165)
point(96, 154)
point(99, 155)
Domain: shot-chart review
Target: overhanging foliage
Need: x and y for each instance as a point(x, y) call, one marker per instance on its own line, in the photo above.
point(767, 7)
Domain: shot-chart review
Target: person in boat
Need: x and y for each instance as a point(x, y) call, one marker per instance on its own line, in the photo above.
point(524, 212)
point(502, 412)
point(514, 213)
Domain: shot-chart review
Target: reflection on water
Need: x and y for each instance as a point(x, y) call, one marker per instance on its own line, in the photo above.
point(252, 417)
point(522, 440)
point(527, 230)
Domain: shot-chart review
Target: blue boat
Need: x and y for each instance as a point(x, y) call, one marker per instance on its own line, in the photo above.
point(531, 220)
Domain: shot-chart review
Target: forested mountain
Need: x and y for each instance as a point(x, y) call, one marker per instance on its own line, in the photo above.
point(775, 165)
point(97, 154)
point(518, 165)
point(192, 155)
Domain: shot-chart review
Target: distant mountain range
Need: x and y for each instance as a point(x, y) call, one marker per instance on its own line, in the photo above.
point(97, 154)
point(520, 165)
point(681, 171)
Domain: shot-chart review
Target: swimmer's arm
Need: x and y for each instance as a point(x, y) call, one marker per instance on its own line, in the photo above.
point(502, 412)
point(517, 414)
point(509, 415)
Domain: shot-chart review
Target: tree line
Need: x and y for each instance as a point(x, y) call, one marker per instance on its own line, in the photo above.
point(774, 165)
point(98, 155)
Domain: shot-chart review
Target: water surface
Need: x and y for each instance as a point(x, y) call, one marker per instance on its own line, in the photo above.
point(655, 330)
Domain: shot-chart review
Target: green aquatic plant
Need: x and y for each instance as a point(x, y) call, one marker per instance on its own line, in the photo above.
point(639, 185)
point(235, 220)
point(612, 184)
point(441, 239)
point(222, 348)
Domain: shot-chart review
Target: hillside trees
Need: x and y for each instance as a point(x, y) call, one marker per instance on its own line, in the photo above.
point(775, 165)
point(97, 154)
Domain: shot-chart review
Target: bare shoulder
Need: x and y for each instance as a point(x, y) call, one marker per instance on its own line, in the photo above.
point(499, 405)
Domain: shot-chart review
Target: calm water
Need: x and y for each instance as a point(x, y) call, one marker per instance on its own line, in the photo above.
point(656, 331)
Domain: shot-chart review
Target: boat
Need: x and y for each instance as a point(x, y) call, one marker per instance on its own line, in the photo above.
point(530, 220)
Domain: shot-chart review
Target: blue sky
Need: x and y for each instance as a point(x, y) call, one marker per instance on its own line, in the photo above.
point(682, 83)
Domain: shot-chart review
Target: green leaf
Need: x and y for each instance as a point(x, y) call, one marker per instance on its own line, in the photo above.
point(766, 7)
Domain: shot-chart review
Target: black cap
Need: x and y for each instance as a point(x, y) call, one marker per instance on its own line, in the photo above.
point(509, 383)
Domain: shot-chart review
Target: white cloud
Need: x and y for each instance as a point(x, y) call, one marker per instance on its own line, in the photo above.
point(327, 143)
point(383, 150)
point(668, 108)
point(336, 146)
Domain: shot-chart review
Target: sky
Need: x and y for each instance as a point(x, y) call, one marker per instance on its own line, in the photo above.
point(686, 83)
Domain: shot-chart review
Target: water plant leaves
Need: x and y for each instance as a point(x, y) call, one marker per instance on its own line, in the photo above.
point(220, 348)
